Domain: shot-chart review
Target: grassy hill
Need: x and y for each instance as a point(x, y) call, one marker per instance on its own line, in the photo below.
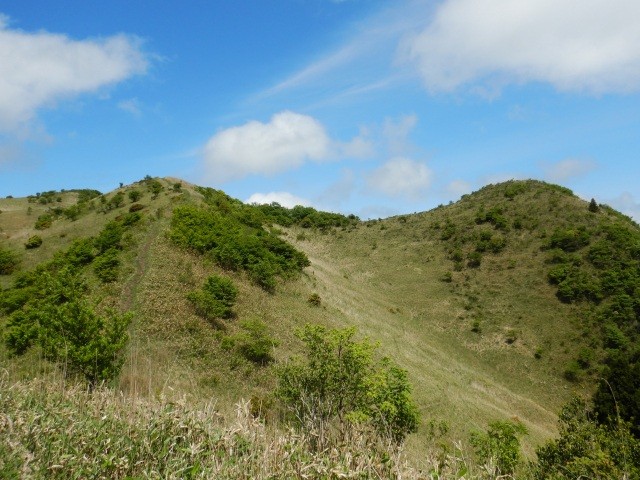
point(494, 304)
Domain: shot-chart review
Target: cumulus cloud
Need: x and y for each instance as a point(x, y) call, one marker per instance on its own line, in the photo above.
point(567, 169)
point(287, 141)
point(401, 177)
point(285, 199)
point(38, 69)
point(574, 45)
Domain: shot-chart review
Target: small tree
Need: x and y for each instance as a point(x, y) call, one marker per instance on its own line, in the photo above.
point(593, 206)
point(60, 320)
point(339, 382)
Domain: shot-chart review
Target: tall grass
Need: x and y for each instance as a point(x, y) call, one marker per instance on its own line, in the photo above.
point(49, 430)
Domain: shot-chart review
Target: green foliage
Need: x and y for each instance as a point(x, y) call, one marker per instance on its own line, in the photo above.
point(33, 242)
point(155, 187)
point(570, 239)
point(106, 266)
point(474, 259)
point(254, 342)
point(134, 195)
point(81, 252)
point(339, 381)
point(109, 237)
point(215, 299)
point(116, 201)
point(234, 245)
point(618, 394)
point(61, 322)
point(84, 195)
point(593, 206)
point(588, 450)
point(500, 443)
point(8, 261)
point(44, 221)
point(73, 212)
point(494, 216)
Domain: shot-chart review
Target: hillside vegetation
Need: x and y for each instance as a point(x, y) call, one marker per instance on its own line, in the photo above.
point(492, 311)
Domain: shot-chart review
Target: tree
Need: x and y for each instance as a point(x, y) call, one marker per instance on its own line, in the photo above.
point(593, 206)
point(64, 325)
point(338, 382)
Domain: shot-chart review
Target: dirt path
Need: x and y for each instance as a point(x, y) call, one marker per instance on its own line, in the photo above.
point(127, 300)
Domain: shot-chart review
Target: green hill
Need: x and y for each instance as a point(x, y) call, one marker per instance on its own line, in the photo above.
point(502, 305)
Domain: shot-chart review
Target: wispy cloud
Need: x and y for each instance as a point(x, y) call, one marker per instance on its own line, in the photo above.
point(132, 106)
point(38, 69)
point(567, 169)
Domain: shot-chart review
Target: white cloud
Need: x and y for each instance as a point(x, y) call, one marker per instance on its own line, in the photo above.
point(583, 45)
point(38, 69)
point(285, 199)
point(401, 177)
point(286, 142)
point(396, 133)
point(459, 187)
point(627, 204)
point(567, 169)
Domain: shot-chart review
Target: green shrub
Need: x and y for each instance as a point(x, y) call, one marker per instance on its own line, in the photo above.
point(338, 381)
point(585, 449)
point(33, 242)
point(106, 266)
point(215, 299)
point(474, 259)
point(8, 261)
point(44, 221)
point(500, 443)
point(81, 252)
point(134, 196)
point(61, 321)
point(136, 207)
point(109, 237)
point(254, 342)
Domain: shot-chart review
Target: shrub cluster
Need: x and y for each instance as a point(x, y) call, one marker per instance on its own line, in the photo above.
point(235, 245)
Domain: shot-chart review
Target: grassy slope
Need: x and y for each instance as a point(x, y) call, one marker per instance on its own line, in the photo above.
point(385, 277)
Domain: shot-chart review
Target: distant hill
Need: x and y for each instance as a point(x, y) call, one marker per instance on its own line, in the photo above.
point(500, 306)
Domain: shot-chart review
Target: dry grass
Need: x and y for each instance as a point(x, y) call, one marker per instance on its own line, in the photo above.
point(55, 431)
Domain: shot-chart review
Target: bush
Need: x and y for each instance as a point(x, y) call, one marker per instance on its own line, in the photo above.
point(66, 328)
point(314, 299)
point(8, 261)
point(106, 266)
point(33, 242)
point(44, 221)
point(501, 443)
point(338, 382)
point(215, 299)
point(134, 196)
point(254, 343)
point(585, 449)
point(81, 252)
point(136, 207)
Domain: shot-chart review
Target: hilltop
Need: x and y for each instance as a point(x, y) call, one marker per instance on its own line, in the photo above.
point(502, 305)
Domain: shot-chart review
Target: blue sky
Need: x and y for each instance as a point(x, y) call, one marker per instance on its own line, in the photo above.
point(372, 107)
